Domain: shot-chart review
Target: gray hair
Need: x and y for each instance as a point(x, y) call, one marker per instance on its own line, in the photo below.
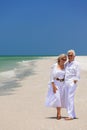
point(71, 51)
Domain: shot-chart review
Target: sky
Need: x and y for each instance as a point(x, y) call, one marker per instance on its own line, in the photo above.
point(42, 27)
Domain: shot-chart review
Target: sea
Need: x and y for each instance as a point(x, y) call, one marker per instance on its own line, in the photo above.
point(13, 69)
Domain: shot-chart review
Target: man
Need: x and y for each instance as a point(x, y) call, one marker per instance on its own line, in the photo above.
point(72, 76)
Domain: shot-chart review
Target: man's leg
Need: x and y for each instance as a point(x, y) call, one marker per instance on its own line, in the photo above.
point(70, 101)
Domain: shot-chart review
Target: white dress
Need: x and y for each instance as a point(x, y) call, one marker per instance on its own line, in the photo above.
point(55, 99)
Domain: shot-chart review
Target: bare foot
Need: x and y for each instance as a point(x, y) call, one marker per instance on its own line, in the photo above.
point(68, 118)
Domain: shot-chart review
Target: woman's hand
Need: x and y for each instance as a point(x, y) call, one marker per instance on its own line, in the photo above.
point(54, 87)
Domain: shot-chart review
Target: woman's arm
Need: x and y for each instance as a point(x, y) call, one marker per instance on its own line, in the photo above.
point(54, 87)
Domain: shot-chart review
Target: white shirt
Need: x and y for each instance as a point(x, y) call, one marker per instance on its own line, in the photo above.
point(72, 71)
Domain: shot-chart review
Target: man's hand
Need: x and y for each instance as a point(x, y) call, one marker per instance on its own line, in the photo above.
point(75, 81)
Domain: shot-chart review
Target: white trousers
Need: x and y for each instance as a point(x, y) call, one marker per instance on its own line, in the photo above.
point(70, 88)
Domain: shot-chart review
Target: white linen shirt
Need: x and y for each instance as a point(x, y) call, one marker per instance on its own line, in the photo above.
point(72, 71)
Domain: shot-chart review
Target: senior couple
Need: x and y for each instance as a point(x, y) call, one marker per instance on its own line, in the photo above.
point(62, 85)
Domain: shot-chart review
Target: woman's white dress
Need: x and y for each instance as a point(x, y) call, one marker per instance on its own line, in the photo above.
point(55, 99)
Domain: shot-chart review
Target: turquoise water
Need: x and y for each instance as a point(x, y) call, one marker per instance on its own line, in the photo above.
point(14, 69)
point(10, 62)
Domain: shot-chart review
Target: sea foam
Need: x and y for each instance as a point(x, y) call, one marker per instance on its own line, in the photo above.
point(23, 69)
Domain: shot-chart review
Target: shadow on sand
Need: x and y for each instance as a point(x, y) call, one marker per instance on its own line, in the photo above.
point(62, 117)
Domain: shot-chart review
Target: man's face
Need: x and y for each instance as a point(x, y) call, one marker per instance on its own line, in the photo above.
point(70, 56)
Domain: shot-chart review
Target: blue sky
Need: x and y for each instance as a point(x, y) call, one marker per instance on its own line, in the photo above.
point(42, 27)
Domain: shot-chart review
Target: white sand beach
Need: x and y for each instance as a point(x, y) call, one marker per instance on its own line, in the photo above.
point(23, 108)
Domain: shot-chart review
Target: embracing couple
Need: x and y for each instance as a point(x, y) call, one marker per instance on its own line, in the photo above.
point(62, 85)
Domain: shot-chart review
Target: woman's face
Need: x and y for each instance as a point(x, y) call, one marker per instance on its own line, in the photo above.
point(63, 60)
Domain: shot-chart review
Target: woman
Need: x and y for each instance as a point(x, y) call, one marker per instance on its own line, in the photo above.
point(55, 86)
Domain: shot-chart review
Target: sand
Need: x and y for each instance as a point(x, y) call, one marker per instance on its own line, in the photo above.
point(23, 108)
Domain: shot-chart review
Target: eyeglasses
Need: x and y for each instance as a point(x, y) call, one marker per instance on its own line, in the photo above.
point(70, 55)
point(63, 59)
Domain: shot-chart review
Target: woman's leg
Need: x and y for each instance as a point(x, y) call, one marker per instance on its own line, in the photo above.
point(58, 113)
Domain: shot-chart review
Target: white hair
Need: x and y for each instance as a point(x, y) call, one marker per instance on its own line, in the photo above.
point(71, 51)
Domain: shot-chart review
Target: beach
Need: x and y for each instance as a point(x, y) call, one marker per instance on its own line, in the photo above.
point(22, 107)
